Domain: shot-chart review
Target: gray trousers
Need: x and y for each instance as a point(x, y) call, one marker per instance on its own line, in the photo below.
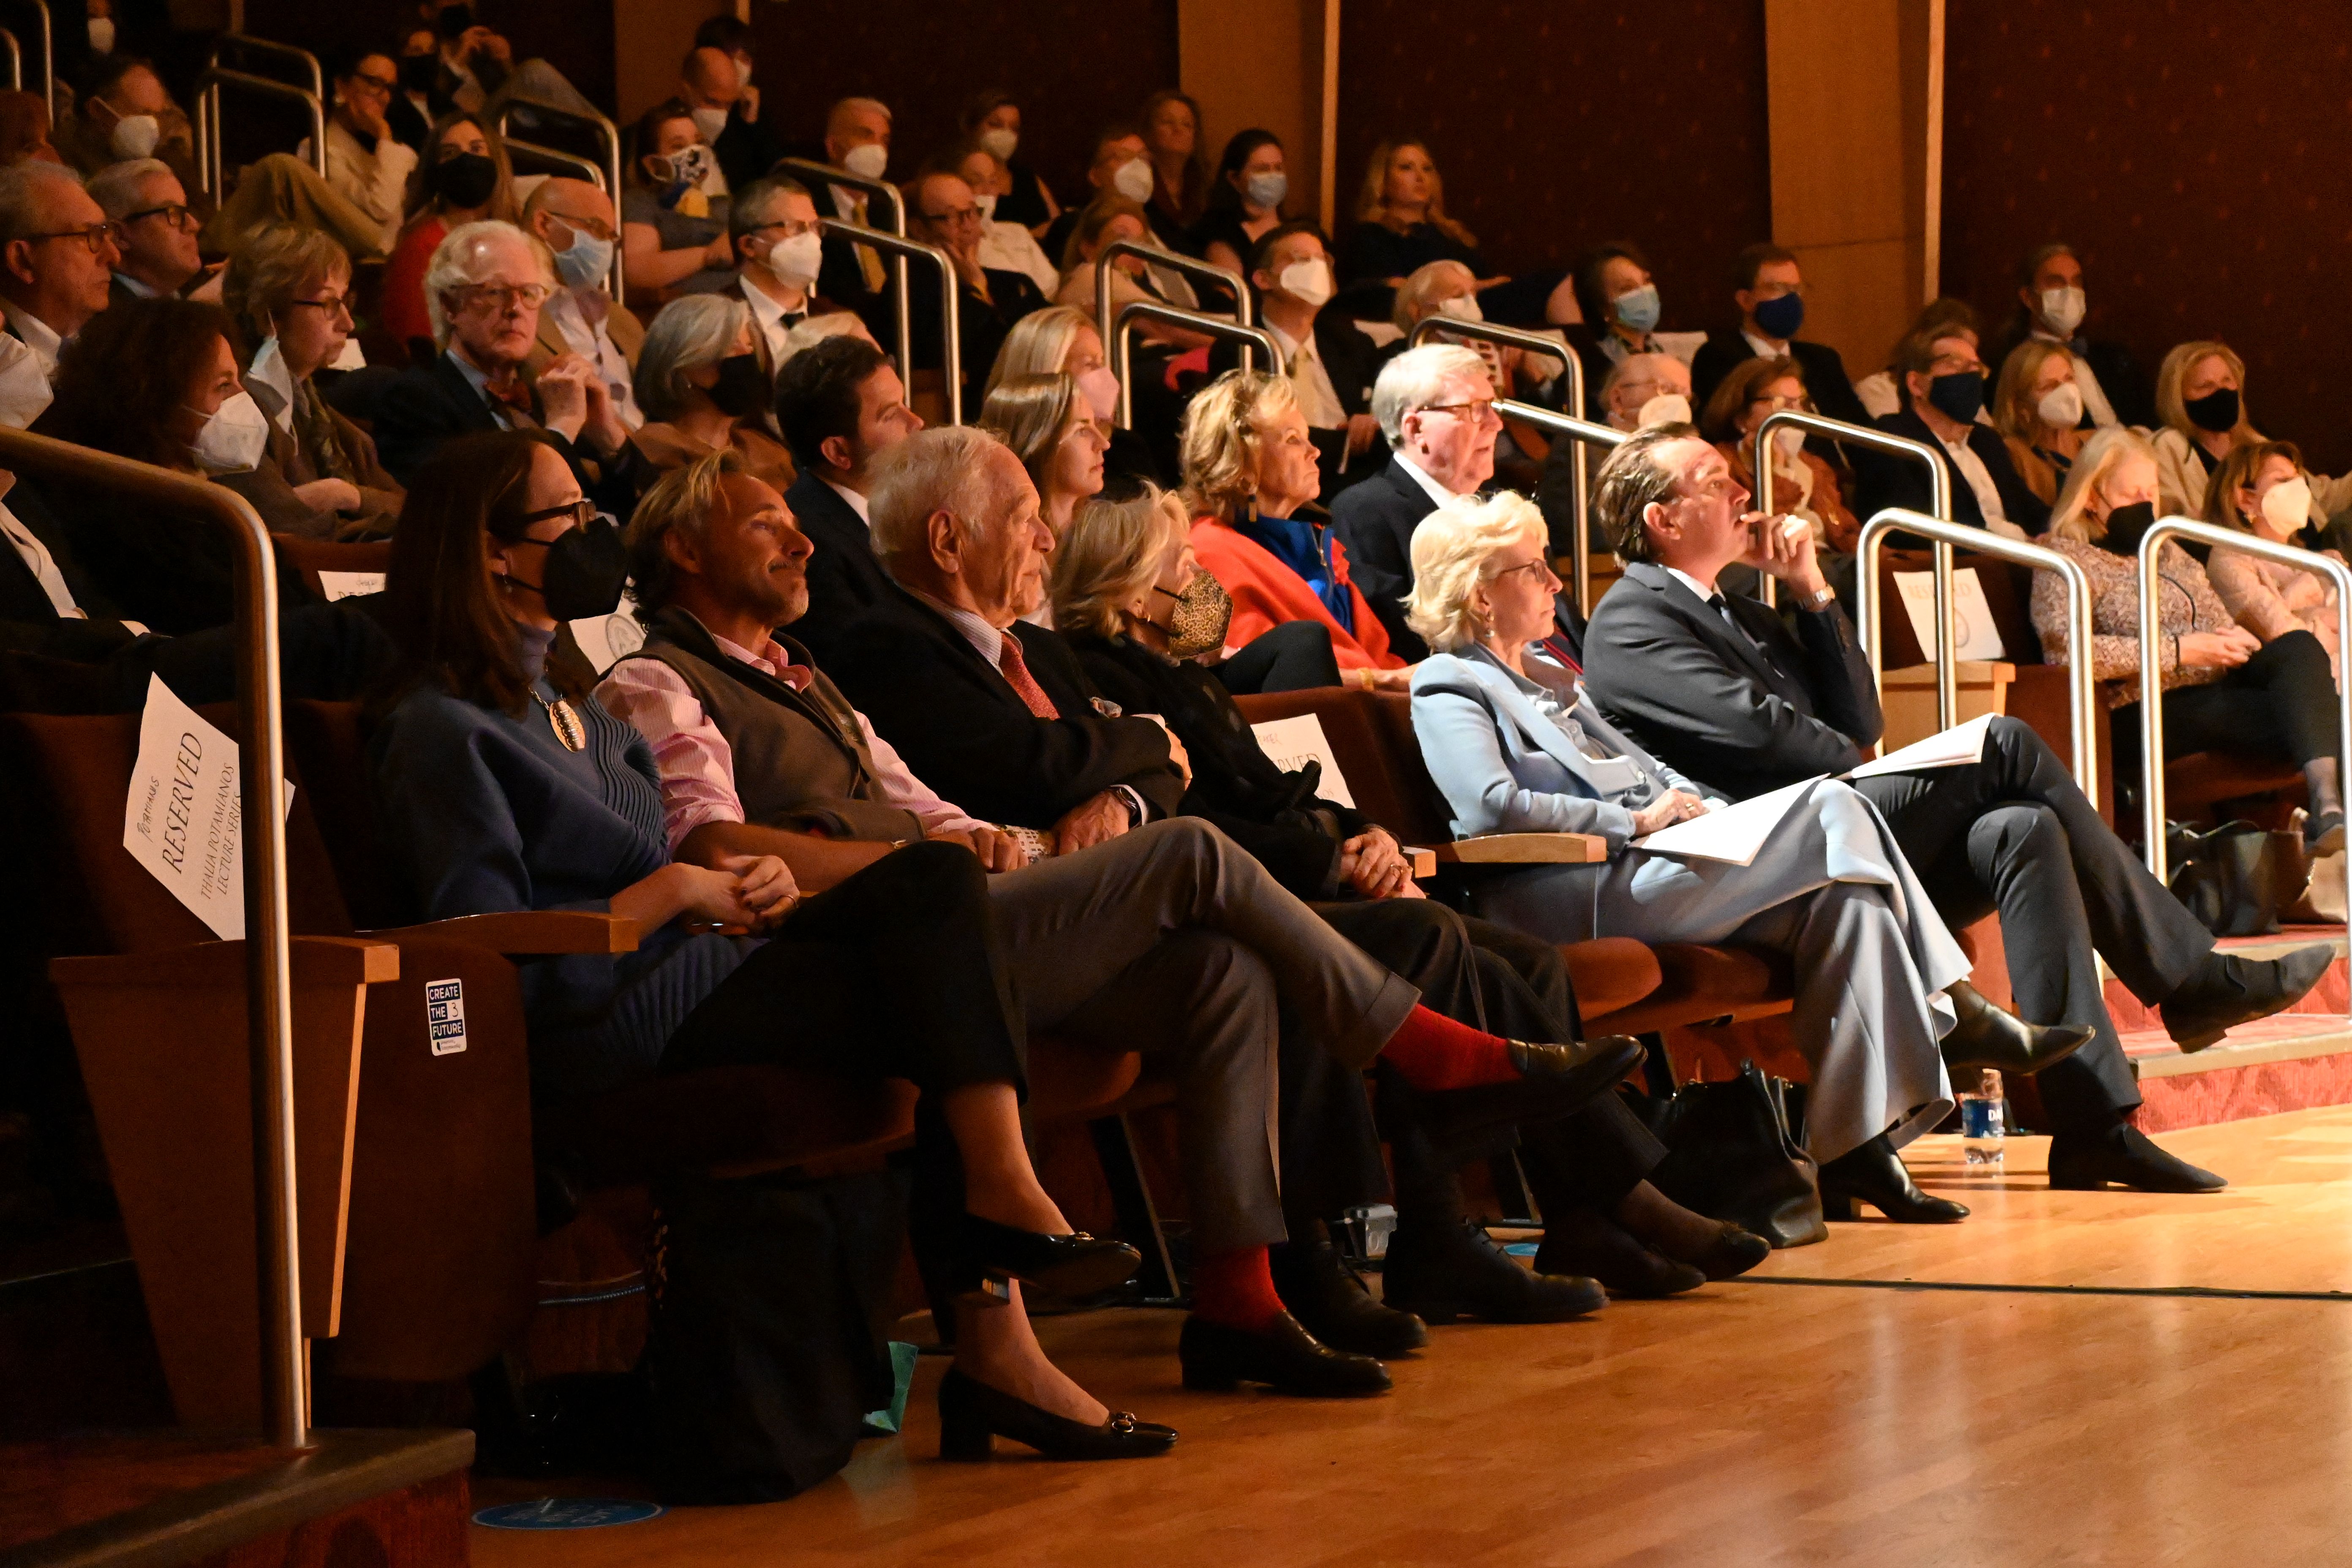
point(1174, 942)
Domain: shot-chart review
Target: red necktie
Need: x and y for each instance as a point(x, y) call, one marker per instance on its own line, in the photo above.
point(1016, 674)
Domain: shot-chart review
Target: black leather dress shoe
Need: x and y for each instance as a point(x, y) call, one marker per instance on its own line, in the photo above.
point(1324, 1294)
point(1989, 1037)
point(2228, 991)
point(972, 1413)
point(1283, 1356)
point(1073, 1264)
point(1554, 1081)
point(2128, 1158)
point(1874, 1174)
point(1580, 1241)
point(1453, 1270)
point(1733, 1253)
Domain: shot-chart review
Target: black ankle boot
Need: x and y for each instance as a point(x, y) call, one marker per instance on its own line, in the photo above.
point(1874, 1174)
point(1325, 1295)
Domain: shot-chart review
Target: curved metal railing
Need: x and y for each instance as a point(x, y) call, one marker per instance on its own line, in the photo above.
point(816, 174)
point(211, 176)
point(902, 251)
point(1136, 311)
point(608, 143)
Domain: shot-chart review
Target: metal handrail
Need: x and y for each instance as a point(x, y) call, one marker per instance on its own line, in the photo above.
point(16, 60)
point(1245, 308)
point(2151, 674)
point(829, 175)
point(950, 325)
point(608, 137)
point(1579, 477)
point(2083, 693)
point(1136, 311)
point(211, 172)
point(268, 996)
point(48, 58)
point(577, 162)
point(1940, 493)
point(1584, 433)
point(271, 46)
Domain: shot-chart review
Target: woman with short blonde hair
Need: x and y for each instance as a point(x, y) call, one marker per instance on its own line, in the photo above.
point(2200, 401)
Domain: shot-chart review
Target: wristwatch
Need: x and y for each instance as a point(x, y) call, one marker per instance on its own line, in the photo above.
point(1821, 601)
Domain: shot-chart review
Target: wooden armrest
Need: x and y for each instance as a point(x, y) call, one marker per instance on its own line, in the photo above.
point(1526, 850)
point(317, 961)
point(530, 931)
point(1423, 861)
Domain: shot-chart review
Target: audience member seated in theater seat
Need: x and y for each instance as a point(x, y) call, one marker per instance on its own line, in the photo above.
point(1179, 169)
point(1110, 218)
point(1005, 245)
point(1329, 362)
point(840, 406)
point(1118, 167)
point(1769, 287)
point(462, 177)
point(674, 211)
point(727, 112)
point(2225, 690)
point(1435, 405)
point(154, 231)
point(576, 224)
point(288, 289)
point(1717, 685)
point(941, 211)
point(2261, 488)
point(2200, 398)
point(1251, 480)
point(857, 138)
point(472, 61)
point(1044, 422)
point(504, 786)
point(2038, 409)
point(1243, 203)
point(1944, 382)
point(421, 100)
point(1402, 226)
point(155, 380)
point(1061, 340)
point(2050, 308)
point(1517, 744)
point(485, 285)
point(1803, 483)
point(57, 259)
point(1450, 288)
point(367, 163)
point(701, 384)
point(125, 111)
point(1881, 392)
point(778, 254)
point(992, 120)
point(1619, 311)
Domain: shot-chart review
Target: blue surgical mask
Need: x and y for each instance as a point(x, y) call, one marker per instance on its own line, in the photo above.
point(1266, 188)
point(1639, 309)
point(1780, 318)
point(587, 260)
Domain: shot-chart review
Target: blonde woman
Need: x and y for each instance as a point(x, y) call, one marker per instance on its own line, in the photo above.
point(2200, 400)
point(1061, 340)
point(2224, 689)
point(1401, 227)
point(2261, 488)
point(1251, 480)
point(2038, 409)
point(1046, 423)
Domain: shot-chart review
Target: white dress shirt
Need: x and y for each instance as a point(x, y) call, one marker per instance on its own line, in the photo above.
point(1438, 494)
point(1309, 380)
point(594, 344)
point(1972, 468)
point(774, 322)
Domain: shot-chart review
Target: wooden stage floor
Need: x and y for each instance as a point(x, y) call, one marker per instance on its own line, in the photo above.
point(1821, 1413)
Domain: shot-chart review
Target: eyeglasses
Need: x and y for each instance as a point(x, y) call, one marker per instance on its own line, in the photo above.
point(582, 512)
point(374, 83)
point(500, 296)
point(334, 304)
point(594, 227)
point(1537, 565)
point(98, 235)
point(172, 213)
point(793, 227)
point(961, 215)
point(1476, 413)
point(1778, 405)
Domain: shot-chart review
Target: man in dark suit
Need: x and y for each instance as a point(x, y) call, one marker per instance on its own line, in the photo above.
point(839, 407)
point(1945, 380)
point(855, 275)
point(712, 85)
point(1331, 363)
point(1719, 686)
point(1769, 290)
point(2051, 306)
point(47, 605)
point(1436, 406)
point(941, 211)
point(487, 303)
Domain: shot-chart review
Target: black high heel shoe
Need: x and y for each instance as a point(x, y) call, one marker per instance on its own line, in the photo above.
point(971, 1414)
point(1073, 1264)
point(1874, 1174)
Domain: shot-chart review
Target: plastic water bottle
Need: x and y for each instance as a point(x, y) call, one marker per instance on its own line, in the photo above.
point(1983, 1120)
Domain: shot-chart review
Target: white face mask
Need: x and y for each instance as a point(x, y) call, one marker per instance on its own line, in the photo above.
point(2060, 408)
point(1666, 408)
point(867, 160)
point(986, 202)
point(2062, 310)
point(234, 438)
point(1308, 282)
point(1461, 308)
point(742, 71)
point(271, 369)
point(135, 136)
point(999, 143)
point(795, 261)
point(1134, 180)
point(711, 120)
point(1788, 441)
point(101, 35)
point(2287, 507)
point(1099, 387)
point(24, 388)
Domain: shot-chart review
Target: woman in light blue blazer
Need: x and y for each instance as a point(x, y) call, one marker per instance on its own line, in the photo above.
point(1516, 746)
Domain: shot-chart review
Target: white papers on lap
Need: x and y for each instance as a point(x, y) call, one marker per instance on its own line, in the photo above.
point(1293, 742)
point(1733, 835)
point(1972, 624)
point(182, 820)
point(1945, 749)
point(350, 584)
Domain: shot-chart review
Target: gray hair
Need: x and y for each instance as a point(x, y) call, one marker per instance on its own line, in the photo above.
point(1417, 379)
point(1412, 294)
point(22, 189)
point(692, 332)
point(1630, 480)
point(1450, 548)
point(115, 188)
point(459, 255)
point(813, 330)
point(947, 470)
point(755, 203)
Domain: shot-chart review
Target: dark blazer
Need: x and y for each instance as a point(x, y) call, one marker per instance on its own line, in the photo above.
point(982, 323)
point(430, 404)
point(747, 149)
point(1376, 520)
point(845, 576)
point(1741, 716)
point(28, 621)
point(1883, 480)
point(1826, 381)
point(964, 731)
point(838, 275)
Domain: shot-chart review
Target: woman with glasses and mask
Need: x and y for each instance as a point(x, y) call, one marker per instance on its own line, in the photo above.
point(674, 236)
point(701, 387)
point(290, 290)
point(462, 177)
point(365, 160)
point(2201, 401)
point(1803, 484)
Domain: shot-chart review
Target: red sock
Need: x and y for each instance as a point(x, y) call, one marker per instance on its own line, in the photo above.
point(1432, 1051)
point(1235, 1288)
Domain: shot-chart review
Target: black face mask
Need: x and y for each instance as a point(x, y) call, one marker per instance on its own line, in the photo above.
point(2126, 525)
point(466, 180)
point(453, 21)
point(1957, 397)
point(419, 73)
point(2215, 410)
point(742, 390)
point(586, 570)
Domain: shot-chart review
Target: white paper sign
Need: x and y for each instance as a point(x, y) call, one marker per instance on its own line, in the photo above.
point(1972, 623)
point(350, 584)
point(1293, 742)
point(182, 820)
point(1733, 835)
point(1945, 749)
point(606, 639)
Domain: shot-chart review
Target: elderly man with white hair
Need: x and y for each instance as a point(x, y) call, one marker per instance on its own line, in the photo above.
point(857, 138)
point(483, 292)
point(1436, 406)
point(1647, 389)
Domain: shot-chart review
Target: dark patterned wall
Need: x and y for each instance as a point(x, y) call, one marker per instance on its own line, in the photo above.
point(1557, 125)
point(2195, 155)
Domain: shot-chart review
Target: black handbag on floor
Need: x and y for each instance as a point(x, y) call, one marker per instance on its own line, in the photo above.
point(2238, 878)
point(1730, 1156)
